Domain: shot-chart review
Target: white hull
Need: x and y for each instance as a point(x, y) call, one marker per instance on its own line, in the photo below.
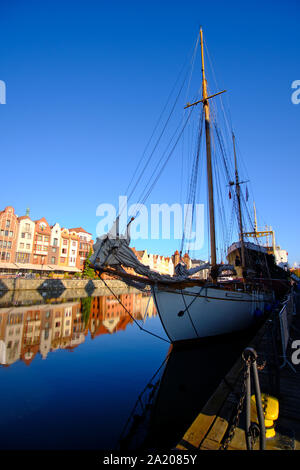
point(207, 311)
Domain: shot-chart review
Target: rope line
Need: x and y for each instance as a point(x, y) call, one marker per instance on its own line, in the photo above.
point(131, 316)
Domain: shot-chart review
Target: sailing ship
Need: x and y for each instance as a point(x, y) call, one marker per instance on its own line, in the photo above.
point(192, 308)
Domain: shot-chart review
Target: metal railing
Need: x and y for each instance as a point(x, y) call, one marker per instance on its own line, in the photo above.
point(288, 309)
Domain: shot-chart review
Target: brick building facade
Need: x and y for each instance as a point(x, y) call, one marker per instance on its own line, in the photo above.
point(36, 246)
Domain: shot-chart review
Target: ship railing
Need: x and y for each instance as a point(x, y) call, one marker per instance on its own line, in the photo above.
point(285, 317)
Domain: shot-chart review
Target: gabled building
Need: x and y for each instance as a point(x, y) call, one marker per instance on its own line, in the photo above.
point(41, 242)
point(74, 259)
point(64, 248)
point(25, 240)
point(85, 244)
point(8, 234)
point(53, 254)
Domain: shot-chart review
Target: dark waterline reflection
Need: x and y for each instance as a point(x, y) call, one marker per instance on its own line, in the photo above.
point(72, 371)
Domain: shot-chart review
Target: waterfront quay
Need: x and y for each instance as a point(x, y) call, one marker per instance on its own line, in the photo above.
point(18, 291)
point(221, 423)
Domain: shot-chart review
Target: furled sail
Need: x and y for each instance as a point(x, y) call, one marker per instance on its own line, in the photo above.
point(113, 250)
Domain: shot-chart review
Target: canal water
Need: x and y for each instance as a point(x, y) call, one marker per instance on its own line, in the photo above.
point(80, 373)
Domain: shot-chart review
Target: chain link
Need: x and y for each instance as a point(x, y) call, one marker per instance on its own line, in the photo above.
point(239, 408)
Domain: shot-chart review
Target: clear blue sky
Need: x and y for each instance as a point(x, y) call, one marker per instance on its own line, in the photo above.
point(86, 81)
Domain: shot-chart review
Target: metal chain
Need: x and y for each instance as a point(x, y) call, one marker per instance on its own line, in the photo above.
point(240, 405)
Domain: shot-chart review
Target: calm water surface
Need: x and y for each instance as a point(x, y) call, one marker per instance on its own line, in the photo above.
point(74, 374)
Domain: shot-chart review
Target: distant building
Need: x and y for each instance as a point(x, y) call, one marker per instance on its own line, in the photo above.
point(35, 246)
point(64, 247)
point(53, 254)
point(25, 240)
point(85, 244)
point(8, 234)
point(74, 259)
point(161, 264)
point(41, 242)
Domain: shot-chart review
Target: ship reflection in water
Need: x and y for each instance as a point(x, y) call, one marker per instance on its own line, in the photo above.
point(177, 392)
point(73, 369)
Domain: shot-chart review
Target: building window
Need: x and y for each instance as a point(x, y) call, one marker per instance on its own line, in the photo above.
point(27, 227)
point(55, 241)
point(29, 236)
point(65, 242)
point(23, 235)
point(11, 234)
point(22, 257)
point(27, 246)
point(8, 245)
point(21, 245)
point(39, 238)
point(53, 259)
point(6, 233)
point(64, 251)
point(7, 224)
point(53, 250)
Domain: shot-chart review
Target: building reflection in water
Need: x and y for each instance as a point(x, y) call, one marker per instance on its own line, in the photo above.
point(39, 329)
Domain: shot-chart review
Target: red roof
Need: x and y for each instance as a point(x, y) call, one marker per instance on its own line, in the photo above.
point(79, 229)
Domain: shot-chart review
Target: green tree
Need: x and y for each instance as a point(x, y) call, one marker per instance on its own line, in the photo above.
point(87, 271)
point(86, 304)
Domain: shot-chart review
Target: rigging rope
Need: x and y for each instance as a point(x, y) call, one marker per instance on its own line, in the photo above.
point(193, 180)
point(131, 316)
point(163, 130)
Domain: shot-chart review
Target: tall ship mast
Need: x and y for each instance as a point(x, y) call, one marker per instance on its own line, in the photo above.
point(208, 161)
point(189, 307)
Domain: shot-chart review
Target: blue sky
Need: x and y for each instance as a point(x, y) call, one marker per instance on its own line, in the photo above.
point(86, 82)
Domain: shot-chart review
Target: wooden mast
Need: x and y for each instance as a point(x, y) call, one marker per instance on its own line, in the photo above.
point(238, 195)
point(255, 218)
point(205, 102)
point(208, 162)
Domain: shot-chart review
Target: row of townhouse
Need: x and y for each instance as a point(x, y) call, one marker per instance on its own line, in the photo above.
point(35, 245)
point(159, 263)
point(166, 264)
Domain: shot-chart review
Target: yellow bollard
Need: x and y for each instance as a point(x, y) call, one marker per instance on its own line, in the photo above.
point(271, 412)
